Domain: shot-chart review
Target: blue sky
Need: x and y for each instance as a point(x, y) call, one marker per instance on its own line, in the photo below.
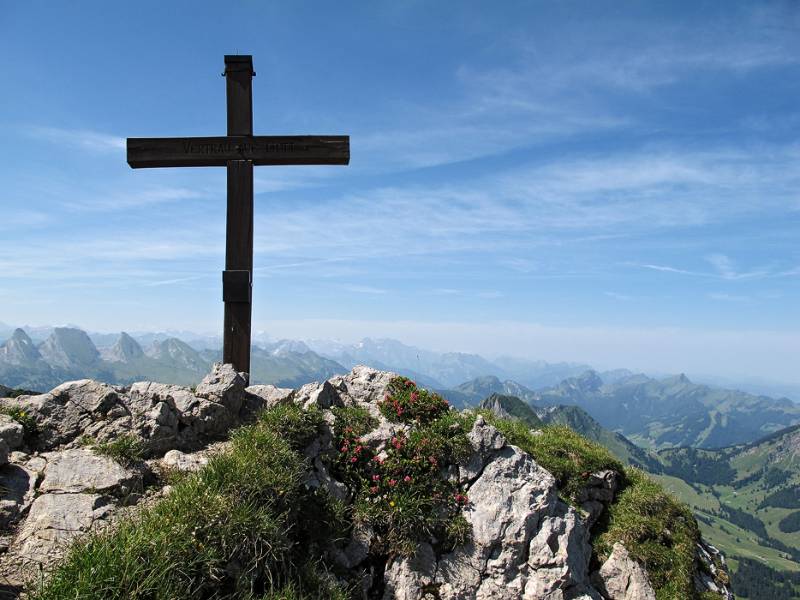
point(612, 182)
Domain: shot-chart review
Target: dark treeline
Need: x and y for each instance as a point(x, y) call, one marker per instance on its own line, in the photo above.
point(756, 581)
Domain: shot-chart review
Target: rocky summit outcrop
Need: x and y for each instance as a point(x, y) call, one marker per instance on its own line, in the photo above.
point(68, 474)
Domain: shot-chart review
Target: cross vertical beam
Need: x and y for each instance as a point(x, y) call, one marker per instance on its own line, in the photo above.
point(237, 278)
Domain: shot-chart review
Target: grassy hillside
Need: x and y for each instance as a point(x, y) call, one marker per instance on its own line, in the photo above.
point(747, 498)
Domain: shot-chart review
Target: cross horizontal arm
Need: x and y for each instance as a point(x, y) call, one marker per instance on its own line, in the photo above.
point(217, 151)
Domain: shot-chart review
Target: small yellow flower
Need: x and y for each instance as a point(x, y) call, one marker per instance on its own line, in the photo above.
point(391, 503)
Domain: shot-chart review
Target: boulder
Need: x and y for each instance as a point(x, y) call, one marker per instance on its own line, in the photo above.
point(363, 385)
point(81, 470)
point(485, 441)
point(11, 432)
point(55, 520)
point(622, 578)
point(163, 417)
point(181, 461)
point(268, 395)
point(321, 395)
point(18, 484)
point(69, 411)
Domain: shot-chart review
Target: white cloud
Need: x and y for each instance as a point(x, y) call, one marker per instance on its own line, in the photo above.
point(365, 289)
point(726, 269)
point(84, 139)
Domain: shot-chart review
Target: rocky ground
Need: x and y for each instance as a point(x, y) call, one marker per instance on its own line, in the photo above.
point(65, 471)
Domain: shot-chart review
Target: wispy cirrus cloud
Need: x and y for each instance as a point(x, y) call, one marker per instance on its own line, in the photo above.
point(365, 289)
point(724, 269)
point(84, 139)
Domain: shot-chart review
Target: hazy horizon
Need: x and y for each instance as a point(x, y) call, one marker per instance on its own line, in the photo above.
point(561, 348)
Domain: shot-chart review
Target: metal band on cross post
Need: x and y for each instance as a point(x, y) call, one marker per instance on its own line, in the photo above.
point(239, 151)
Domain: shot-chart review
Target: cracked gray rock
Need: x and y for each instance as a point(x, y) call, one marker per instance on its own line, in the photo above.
point(54, 521)
point(622, 578)
point(82, 470)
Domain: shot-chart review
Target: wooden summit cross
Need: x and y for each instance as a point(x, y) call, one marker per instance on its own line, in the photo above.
point(238, 151)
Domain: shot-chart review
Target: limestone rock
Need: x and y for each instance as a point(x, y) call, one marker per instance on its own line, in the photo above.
point(597, 494)
point(363, 385)
point(54, 521)
point(269, 395)
point(508, 505)
point(712, 573)
point(559, 554)
point(485, 441)
point(81, 470)
point(175, 459)
point(410, 578)
point(18, 485)
point(622, 578)
point(321, 395)
point(69, 410)
point(163, 417)
point(11, 432)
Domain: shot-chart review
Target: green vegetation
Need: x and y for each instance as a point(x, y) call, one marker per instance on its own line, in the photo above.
point(17, 412)
point(753, 579)
point(698, 465)
point(655, 528)
point(406, 403)
point(790, 523)
point(788, 497)
point(244, 527)
point(570, 457)
point(126, 449)
point(401, 493)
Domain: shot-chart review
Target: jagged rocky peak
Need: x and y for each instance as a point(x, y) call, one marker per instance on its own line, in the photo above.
point(19, 349)
point(69, 347)
point(177, 352)
point(588, 381)
point(124, 350)
point(284, 347)
point(681, 379)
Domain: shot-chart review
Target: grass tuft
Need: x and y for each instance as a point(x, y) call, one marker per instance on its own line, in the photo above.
point(21, 416)
point(126, 449)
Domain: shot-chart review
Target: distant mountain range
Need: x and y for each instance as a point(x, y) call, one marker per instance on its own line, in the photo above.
point(443, 369)
point(69, 353)
point(674, 411)
point(652, 413)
